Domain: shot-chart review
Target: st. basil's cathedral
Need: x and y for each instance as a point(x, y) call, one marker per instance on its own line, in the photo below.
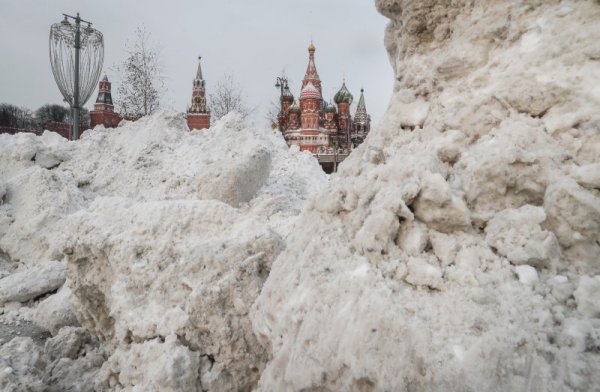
point(325, 129)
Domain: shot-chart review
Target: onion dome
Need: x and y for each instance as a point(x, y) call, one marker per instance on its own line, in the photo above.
point(294, 108)
point(287, 94)
point(311, 47)
point(343, 96)
point(330, 108)
point(310, 92)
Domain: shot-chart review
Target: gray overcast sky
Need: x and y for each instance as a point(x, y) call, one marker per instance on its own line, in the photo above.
point(252, 39)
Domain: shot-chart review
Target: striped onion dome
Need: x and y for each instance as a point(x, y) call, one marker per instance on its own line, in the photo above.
point(310, 92)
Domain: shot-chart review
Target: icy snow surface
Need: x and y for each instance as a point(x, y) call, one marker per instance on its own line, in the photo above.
point(458, 249)
point(168, 236)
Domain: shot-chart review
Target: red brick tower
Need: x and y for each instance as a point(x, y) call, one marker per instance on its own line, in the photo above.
point(310, 104)
point(198, 115)
point(330, 121)
point(293, 120)
point(104, 110)
point(344, 99)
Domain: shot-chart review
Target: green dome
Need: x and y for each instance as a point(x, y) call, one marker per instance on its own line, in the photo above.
point(343, 96)
point(330, 108)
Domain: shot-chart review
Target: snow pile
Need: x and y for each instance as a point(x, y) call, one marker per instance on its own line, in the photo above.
point(187, 271)
point(168, 237)
point(46, 178)
point(459, 247)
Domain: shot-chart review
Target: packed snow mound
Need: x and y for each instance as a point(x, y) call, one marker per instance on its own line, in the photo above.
point(169, 236)
point(43, 179)
point(186, 269)
point(458, 248)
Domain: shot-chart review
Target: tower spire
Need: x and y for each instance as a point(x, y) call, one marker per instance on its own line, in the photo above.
point(311, 74)
point(362, 120)
point(361, 109)
point(199, 79)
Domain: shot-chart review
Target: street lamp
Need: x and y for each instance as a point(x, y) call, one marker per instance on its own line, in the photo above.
point(281, 84)
point(76, 56)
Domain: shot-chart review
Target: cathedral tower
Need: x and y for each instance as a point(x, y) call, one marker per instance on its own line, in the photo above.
point(198, 115)
point(311, 75)
point(344, 99)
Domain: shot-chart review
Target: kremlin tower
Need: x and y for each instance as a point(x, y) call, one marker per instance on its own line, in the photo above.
point(320, 127)
point(104, 110)
point(198, 115)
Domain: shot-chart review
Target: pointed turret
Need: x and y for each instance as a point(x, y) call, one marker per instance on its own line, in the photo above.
point(361, 115)
point(362, 121)
point(199, 81)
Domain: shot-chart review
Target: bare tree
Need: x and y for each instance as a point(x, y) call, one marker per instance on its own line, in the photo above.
point(141, 80)
point(228, 96)
point(51, 113)
point(272, 114)
point(15, 117)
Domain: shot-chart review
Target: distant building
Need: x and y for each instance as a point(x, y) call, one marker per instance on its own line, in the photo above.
point(104, 110)
point(325, 129)
point(198, 115)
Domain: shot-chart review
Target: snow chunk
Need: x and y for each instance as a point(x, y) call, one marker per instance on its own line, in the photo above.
point(22, 366)
point(187, 267)
point(67, 343)
point(55, 312)
point(517, 235)
point(411, 114)
point(152, 366)
point(574, 217)
point(438, 207)
point(587, 176)
point(587, 295)
point(527, 274)
point(422, 273)
point(32, 282)
point(412, 237)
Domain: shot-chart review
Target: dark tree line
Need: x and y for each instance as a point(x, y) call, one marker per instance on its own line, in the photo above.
point(20, 117)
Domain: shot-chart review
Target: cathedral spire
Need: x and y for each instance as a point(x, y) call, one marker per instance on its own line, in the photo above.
point(362, 121)
point(361, 109)
point(311, 70)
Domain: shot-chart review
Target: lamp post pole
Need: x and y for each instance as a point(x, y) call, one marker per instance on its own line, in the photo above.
point(75, 110)
point(75, 131)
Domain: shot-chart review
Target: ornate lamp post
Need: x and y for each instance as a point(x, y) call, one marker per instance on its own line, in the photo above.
point(281, 83)
point(76, 56)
